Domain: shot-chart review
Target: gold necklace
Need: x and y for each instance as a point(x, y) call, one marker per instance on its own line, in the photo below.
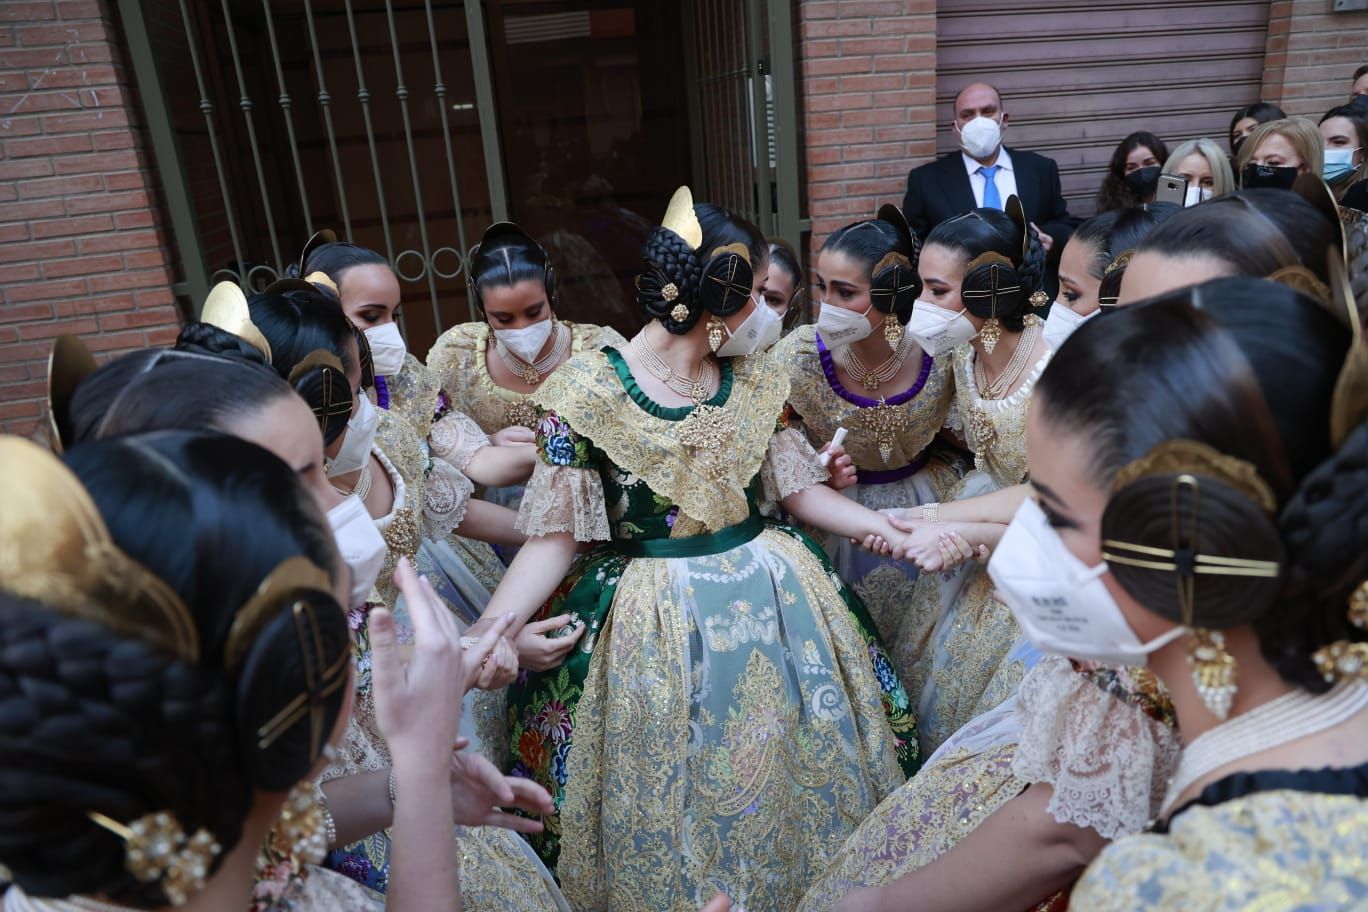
point(697, 388)
point(1014, 370)
point(532, 372)
point(870, 378)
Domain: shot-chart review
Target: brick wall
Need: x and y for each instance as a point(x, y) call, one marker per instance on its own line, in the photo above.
point(81, 245)
point(868, 94)
point(1312, 54)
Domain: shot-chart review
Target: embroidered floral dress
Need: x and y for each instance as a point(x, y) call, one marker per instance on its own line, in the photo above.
point(729, 715)
point(1102, 738)
point(892, 443)
point(956, 649)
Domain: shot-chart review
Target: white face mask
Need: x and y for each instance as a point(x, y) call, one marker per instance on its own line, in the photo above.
point(356, 444)
point(1060, 603)
point(938, 331)
point(1196, 195)
point(757, 332)
point(387, 349)
point(839, 327)
point(981, 137)
point(527, 342)
point(360, 544)
point(1061, 323)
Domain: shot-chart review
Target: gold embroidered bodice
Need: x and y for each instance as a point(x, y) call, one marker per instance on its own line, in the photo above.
point(459, 358)
point(995, 429)
point(824, 405)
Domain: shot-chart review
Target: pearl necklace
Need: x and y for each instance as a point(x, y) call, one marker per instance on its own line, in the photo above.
point(696, 388)
point(1014, 370)
point(363, 483)
point(1290, 717)
point(870, 378)
point(532, 373)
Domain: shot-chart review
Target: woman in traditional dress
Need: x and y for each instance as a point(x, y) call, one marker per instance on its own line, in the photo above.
point(718, 714)
point(859, 369)
point(981, 275)
point(490, 369)
point(175, 660)
point(1205, 509)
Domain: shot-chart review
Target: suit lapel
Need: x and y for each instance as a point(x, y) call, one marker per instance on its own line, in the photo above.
point(955, 188)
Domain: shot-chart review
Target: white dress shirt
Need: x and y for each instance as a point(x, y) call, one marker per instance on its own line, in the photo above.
point(1005, 179)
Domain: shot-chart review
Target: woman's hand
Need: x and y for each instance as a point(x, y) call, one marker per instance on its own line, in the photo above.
point(478, 790)
point(936, 547)
point(840, 465)
point(539, 650)
point(513, 436)
point(414, 700)
point(500, 667)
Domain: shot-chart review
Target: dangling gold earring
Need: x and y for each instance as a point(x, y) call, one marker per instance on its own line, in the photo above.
point(893, 331)
point(990, 333)
point(1213, 670)
point(305, 830)
point(715, 327)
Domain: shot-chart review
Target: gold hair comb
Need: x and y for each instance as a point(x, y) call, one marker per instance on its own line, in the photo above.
point(681, 219)
point(69, 363)
point(1173, 457)
point(226, 307)
point(156, 850)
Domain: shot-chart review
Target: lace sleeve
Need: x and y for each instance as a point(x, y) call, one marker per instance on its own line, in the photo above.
point(790, 465)
point(1100, 738)
point(565, 493)
point(455, 438)
point(447, 494)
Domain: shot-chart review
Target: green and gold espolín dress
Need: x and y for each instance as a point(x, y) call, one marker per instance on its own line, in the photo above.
point(729, 716)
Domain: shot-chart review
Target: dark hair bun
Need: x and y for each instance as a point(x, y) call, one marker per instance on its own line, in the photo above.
point(1148, 511)
point(90, 721)
point(208, 339)
point(670, 261)
point(727, 281)
point(1325, 529)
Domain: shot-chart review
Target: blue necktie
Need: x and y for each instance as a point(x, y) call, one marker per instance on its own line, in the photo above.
point(991, 198)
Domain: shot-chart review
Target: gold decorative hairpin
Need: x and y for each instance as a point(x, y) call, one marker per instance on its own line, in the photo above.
point(319, 683)
point(295, 574)
point(156, 850)
point(56, 548)
point(322, 278)
point(1344, 660)
point(1298, 278)
point(681, 218)
point(319, 238)
point(69, 363)
point(1120, 261)
point(226, 307)
point(338, 399)
point(1181, 456)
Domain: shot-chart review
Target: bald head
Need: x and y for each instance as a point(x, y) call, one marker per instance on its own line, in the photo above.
point(978, 99)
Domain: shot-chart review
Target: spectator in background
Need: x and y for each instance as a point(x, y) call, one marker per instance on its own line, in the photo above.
point(1345, 132)
point(1205, 167)
point(984, 173)
point(1360, 84)
point(1133, 174)
point(1278, 151)
point(1246, 119)
point(784, 283)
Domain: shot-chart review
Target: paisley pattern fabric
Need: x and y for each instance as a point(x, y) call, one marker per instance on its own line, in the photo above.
point(1276, 850)
point(918, 470)
point(729, 715)
point(952, 644)
point(1102, 738)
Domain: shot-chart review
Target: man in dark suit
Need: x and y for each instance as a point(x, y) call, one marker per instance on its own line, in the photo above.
point(984, 172)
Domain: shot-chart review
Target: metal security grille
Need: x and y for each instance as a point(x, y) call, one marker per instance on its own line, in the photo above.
point(372, 118)
point(1079, 75)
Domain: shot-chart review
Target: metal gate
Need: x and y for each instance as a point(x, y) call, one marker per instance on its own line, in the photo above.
point(382, 119)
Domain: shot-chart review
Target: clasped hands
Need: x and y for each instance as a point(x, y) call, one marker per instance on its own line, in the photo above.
point(934, 547)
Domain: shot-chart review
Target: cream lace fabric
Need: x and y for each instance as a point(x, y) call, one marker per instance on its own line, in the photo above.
point(455, 439)
point(446, 498)
point(564, 499)
point(1108, 761)
point(790, 465)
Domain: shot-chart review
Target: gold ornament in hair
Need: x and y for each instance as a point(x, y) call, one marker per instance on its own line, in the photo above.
point(1300, 279)
point(295, 574)
point(55, 548)
point(1344, 660)
point(1017, 213)
point(1349, 402)
point(226, 307)
point(682, 220)
point(156, 850)
point(892, 258)
point(1179, 456)
point(337, 393)
point(322, 278)
point(319, 683)
point(69, 363)
point(1120, 261)
point(319, 238)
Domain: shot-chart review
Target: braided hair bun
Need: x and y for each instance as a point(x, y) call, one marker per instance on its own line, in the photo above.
point(672, 277)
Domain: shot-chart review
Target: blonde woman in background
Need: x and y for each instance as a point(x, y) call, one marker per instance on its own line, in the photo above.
point(1277, 152)
point(1205, 167)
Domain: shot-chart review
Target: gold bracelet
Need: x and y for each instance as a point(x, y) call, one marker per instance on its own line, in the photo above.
point(930, 512)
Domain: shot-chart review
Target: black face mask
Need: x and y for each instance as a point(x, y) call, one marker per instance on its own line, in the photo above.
point(1268, 176)
point(1143, 182)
